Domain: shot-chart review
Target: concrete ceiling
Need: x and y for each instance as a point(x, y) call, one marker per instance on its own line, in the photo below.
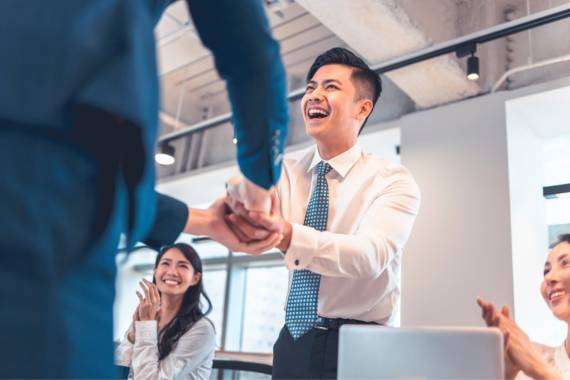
point(378, 30)
point(385, 31)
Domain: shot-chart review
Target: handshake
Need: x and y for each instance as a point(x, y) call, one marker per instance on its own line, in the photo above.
point(247, 219)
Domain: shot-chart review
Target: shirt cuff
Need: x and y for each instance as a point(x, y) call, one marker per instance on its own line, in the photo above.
point(303, 246)
point(146, 331)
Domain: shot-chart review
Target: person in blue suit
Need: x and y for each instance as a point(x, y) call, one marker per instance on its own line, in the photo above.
point(78, 123)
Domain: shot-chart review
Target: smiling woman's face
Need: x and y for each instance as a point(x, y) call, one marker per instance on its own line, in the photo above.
point(555, 287)
point(174, 274)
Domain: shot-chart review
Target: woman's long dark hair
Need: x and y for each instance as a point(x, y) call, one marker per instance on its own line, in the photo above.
point(190, 311)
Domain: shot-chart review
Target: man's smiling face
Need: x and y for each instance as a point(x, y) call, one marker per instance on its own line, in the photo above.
point(329, 106)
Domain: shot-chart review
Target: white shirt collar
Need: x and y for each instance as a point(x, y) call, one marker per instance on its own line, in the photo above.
point(341, 163)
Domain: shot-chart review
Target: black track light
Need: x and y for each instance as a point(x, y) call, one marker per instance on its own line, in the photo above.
point(465, 50)
point(473, 67)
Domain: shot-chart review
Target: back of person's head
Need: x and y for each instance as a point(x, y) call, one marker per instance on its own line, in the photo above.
point(367, 83)
point(191, 309)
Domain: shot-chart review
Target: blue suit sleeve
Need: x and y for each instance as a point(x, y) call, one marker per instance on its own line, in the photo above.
point(169, 221)
point(247, 57)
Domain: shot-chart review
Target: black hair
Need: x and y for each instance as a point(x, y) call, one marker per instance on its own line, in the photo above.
point(564, 238)
point(190, 311)
point(368, 84)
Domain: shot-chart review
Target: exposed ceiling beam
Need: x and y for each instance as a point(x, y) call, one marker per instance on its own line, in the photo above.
point(384, 31)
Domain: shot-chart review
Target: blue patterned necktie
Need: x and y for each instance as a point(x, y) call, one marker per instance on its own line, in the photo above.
point(301, 310)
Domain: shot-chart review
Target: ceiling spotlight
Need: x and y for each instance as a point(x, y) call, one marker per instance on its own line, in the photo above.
point(165, 155)
point(465, 50)
point(234, 140)
point(473, 67)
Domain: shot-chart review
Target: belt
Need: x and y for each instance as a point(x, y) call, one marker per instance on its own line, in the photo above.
point(334, 324)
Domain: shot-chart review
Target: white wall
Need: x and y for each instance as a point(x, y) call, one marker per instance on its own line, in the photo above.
point(481, 184)
point(460, 246)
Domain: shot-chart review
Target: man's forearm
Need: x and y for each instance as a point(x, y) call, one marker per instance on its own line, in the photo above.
point(198, 222)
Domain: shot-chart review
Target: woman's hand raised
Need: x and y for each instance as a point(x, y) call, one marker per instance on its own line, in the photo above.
point(149, 304)
point(520, 353)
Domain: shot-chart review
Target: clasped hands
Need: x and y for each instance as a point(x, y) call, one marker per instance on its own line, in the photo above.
point(248, 218)
point(253, 218)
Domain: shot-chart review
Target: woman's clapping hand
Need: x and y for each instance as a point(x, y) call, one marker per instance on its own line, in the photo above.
point(520, 352)
point(149, 303)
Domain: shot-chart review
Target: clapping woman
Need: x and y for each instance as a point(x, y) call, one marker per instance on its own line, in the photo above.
point(525, 359)
point(170, 337)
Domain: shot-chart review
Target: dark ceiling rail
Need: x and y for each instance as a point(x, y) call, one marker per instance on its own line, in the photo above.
point(458, 44)
point(487, 35)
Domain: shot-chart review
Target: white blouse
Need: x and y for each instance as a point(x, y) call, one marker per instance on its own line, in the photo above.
point(191, 357)
point(555, 356)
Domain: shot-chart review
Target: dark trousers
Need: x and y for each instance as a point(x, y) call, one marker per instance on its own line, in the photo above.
point(312, 356)
point(57, 278)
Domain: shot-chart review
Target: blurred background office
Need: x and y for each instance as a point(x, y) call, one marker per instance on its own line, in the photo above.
point(491, 154)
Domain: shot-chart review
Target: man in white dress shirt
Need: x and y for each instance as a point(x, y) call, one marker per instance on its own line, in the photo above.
point(344, 215)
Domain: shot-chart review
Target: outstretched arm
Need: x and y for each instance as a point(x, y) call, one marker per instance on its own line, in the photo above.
point(174, 217)
point(247, 57)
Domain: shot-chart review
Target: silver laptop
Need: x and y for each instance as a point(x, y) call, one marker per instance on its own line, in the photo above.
point(374, 352)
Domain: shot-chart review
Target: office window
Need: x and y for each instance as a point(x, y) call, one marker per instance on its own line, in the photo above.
point(264, 314)
point(215, 286)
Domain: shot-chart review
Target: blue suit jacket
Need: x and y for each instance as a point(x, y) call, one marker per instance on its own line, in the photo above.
point(58, 56)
